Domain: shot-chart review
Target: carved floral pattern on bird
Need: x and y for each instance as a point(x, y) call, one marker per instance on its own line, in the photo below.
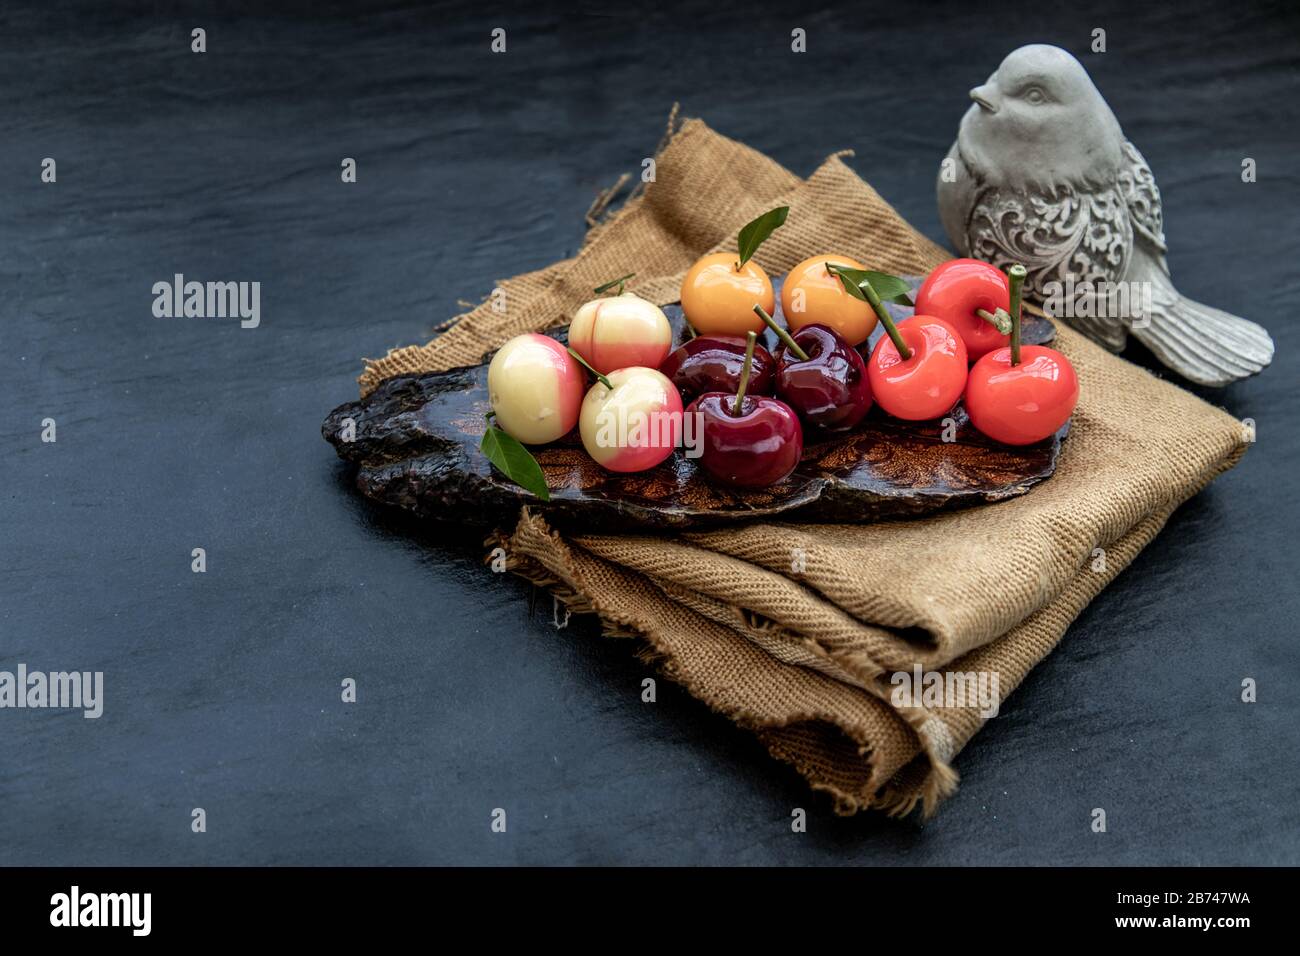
point(1042, 174)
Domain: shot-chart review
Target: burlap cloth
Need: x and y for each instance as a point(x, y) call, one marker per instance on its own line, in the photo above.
point(802, 658)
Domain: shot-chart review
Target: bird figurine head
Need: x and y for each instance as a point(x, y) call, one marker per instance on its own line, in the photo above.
point(1042, 174)
point(1042, 102)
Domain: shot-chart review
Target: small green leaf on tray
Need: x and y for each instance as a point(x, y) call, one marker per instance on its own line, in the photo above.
point(890, 288)
point(514, 461)
point(602, 289)
point(754, 234)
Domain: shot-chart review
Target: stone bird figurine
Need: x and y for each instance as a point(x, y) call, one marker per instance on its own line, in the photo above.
point(1041, 174)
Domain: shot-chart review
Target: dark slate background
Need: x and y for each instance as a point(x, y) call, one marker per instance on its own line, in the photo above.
point(223, 688)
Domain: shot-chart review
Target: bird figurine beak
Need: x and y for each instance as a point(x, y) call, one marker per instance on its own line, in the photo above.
point(983, 95)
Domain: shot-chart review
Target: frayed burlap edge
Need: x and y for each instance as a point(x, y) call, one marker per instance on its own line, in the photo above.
point(541, 556)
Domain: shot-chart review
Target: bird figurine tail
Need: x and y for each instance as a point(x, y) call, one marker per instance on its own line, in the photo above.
point(1203, 344)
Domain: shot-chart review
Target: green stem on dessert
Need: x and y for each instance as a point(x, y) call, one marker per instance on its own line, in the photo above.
point(873, 299)
point(781, 334)
point(1016, 274)
point(1000, 319)
point(750, 340)
point(621, 281)
point(600, 378)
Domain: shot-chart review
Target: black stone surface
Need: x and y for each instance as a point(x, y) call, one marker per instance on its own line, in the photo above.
point(223, 689)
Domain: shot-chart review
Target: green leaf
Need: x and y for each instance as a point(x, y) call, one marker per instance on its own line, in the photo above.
point(602, 289)
point(890, 288)
point(756, 232)
point(514, 461)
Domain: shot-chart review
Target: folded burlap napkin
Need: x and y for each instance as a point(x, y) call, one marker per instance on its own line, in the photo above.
point(794, 630)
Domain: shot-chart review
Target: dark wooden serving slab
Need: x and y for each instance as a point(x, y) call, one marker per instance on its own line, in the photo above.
point(417, 436)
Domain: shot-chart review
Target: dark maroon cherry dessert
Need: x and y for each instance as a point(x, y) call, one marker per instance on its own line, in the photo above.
point(712, 363)
point(826, 384)
point(749, 441)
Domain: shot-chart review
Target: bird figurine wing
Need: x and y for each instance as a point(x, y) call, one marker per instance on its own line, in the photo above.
point(1071, 242)
point(1138, 186)
point(1201, 343)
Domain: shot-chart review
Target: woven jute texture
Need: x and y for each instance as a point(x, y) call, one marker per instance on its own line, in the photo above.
point(795, 631)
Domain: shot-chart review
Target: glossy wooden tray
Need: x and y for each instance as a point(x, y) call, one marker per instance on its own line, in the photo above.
point(417, 436)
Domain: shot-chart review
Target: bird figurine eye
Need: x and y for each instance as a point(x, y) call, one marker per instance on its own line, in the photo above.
point(1035, 95)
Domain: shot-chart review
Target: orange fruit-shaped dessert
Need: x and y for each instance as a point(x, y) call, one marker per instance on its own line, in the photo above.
point(719, 299)
point(720, 291)
point(812, 295)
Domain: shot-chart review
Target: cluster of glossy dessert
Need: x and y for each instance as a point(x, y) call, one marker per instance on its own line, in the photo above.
point(968, 310)
point(746, 409)
point(629, 420)
point(753, 406)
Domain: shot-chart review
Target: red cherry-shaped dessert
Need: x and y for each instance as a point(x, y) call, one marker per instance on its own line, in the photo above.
point(918, 371)
point(749, 441)
point(712, 363)
point(821, 376)
point(918, 368)
point(1019, 403)
point(971, 296)
point(1021, 394)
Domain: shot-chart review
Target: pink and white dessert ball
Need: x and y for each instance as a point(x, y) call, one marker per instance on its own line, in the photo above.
point(620, 331)
point(535, 387)
point(636, 424)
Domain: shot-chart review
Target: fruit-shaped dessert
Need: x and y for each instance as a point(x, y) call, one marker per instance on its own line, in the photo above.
point(713, 363)
point(631, 419)
point(974, 298)
point(918, 373)
point(620, 330)
point(720, 291)
point(814, 295)
point(749, 441)
point(820, 376)
point(535, 388)
point(918, 369)
point(1023, 393)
